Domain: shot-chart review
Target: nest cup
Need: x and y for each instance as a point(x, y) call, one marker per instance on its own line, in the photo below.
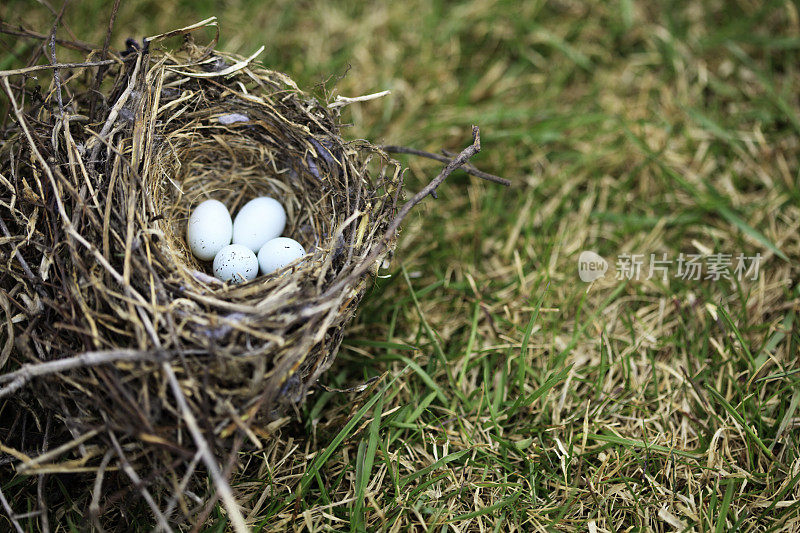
point(137, 348)
point(280, 331)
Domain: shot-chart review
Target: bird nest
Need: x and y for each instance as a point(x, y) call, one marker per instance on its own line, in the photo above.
point(121, 354)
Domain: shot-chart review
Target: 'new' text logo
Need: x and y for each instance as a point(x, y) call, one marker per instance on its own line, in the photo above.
point(591, 266)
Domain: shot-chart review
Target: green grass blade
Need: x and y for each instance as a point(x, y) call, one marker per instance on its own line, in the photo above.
point(738, 334)
point(364, 460)
point(725, 506)
point(322, 457)
point(489, 509)
point(634, 443)
point(740, 420)
point(436, 465)
point(551, 382)
point(527, 336)
point(732, 217)
point(434, 338)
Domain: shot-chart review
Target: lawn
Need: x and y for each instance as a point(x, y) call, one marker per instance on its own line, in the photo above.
point(511, 394)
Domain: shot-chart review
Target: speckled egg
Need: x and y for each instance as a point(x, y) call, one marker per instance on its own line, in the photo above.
point(209, 229)
point(235, 263)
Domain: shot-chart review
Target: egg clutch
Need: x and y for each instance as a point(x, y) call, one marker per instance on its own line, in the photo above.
point(249, 244)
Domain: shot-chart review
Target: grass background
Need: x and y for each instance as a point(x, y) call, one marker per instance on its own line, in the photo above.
point(517, 397)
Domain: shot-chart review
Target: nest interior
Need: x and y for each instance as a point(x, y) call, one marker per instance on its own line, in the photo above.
point(119, 346)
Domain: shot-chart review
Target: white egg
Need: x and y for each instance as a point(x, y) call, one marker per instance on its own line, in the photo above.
point(258, 221)
point(235, 263)
point(277, 253)
point(209, 229)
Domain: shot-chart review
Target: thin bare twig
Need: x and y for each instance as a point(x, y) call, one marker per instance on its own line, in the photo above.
point(59, 14)
point(212, 501)
point(430, 188)
point(40, 495)
point(103, 54)
point(20, 377)
point(24, 32)
point(35, 68)
point(53, 61)
point(187, 477)
point(94, 506)
point(10, 511)
point(220, 483)
point(137, 481)
point(468, 168)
